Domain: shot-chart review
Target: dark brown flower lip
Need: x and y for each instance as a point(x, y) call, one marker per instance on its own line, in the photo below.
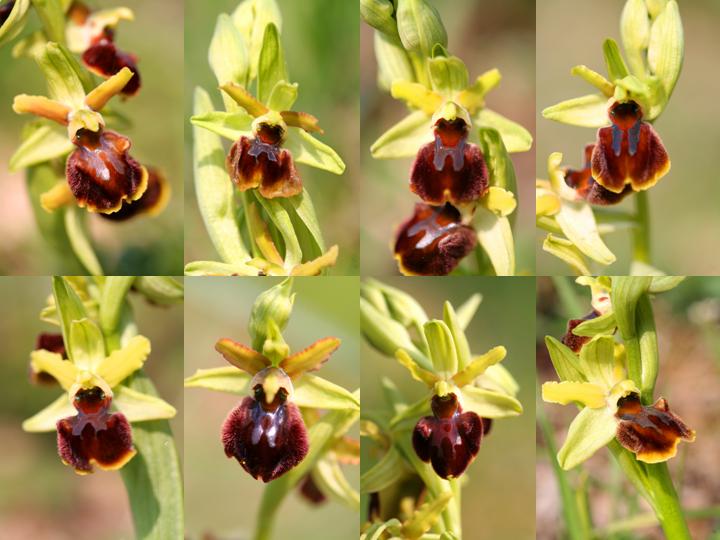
point(104, 59)
point(5, 10)
point(449, 169)
point(102, 174)
point(152, 202)
point(628, 152)
point(254, 163)
point(433, 241)
point(585, 186)
point(94, 435)
point(570, 340)
point(651, 432)
point(310, 491)
point(267, 439)
point(450, 438)
point(50, 342)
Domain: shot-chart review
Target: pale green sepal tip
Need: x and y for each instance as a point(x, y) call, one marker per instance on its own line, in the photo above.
point(489, 403)
point(224, 379)
point(43, 144)
point(585, 111)
point(47, 418)
point(316, 392)
point(515, 137)
point(589, 431)
point(635, 33)
point(140, 407)
point(228, 55)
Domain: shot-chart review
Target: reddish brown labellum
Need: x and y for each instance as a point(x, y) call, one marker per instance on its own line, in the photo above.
point(5, 10)
point(152, 202)
point(585, 186)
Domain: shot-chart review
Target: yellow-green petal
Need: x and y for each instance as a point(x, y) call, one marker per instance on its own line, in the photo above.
point(62, 370)
point(589, 394)
point(418, 373)
point(124, 362)
point(478, 365)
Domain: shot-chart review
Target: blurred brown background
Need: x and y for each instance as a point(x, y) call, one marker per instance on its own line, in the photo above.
point(685, 204)
point(688, 321)
point(484, 35)
point(40, 498)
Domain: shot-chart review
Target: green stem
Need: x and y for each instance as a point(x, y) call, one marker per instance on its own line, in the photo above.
point(649, 520)
point(641, 233)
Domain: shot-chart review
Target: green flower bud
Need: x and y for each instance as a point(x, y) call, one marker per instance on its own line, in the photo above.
point(162, 290)
point(270, 313)
point(393, 61)
point(379, 15)
point(420, 26)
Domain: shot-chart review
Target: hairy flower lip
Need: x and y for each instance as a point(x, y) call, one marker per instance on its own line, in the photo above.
point(653, 433)
point(104, 59)
point(433, 241)
point(628, 152)
point(5, 10)
point(253, 163)
point(449, 169)
point(449, 439)
point(102, 174)
point(152, 202)
point(586, 187)
point(94, 435)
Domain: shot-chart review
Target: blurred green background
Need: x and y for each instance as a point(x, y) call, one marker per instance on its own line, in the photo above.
point(499, 498)
point(684, 205)
point(140, 246)
point(221, 499)
point(39, 496)
point(687, 319)
point(485, 35)
point(320, 38)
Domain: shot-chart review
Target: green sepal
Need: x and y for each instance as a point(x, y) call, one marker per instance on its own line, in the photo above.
point(15, 22)
point(231, 125)
point(497, 377)
point(252, 18)
point(160, 290)
point(70, 308)
point(448, 74)
point(404, 138)
point(42, 144)
point(87, 344)
point(589, 431)
point(441, 348)
point(462, 347)
point(625, 293)
point(313, 392)
point(271, 63)
point(494, 234)
point(407, 417)
point(223, 379)
point(488, 403)
point(515, 137)
point(597, 361)
point(420, 26)
point(594, 78)
point(635, 33)
point(47, 418)
point(602, 325)
point(283, 96)
point(564, 361)
point(391, 468)
point(577, 221)
point(308, 150)
point(585, 111)
point(666, 46)
point(228, 56)
point(62, 73)
point(614, 61)
point(140, 407)
point(402, 306)
point(566, 251)
point(214, 190)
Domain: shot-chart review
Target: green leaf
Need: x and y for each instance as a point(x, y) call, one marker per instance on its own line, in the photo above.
point(308, 150)
point(467, 310)
point(566, 251)
point(87, 344)
point(625, 293)
point(448, 74)
point(635, 33)
point(112, 301)
point(392, 60)
point(61, 71)
point(15, 22)
point(515, 137)
point(420, 26)
point(214, 190)
point(80, 243)
point(224, 379)
point(604, 324)
point(43, 144)
point(577, 221)
point(564, 361)
point(70, 308)
point(281, 219)
point(315, 392)
point(495, 236)
point(441, 347)
point(160, 290)
point(46, 419)
point(389, 470)
point(666, 46)
point(153, 479)
point(458, 334)
point(488, 403)
point(231, 125)
point(140, 407)
point(404, 138)
point(228, 55)
point(589, 431)
point(594, 78)
point(271, 64)
point(585, 111)
point(614, 61)
point(283, 96)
